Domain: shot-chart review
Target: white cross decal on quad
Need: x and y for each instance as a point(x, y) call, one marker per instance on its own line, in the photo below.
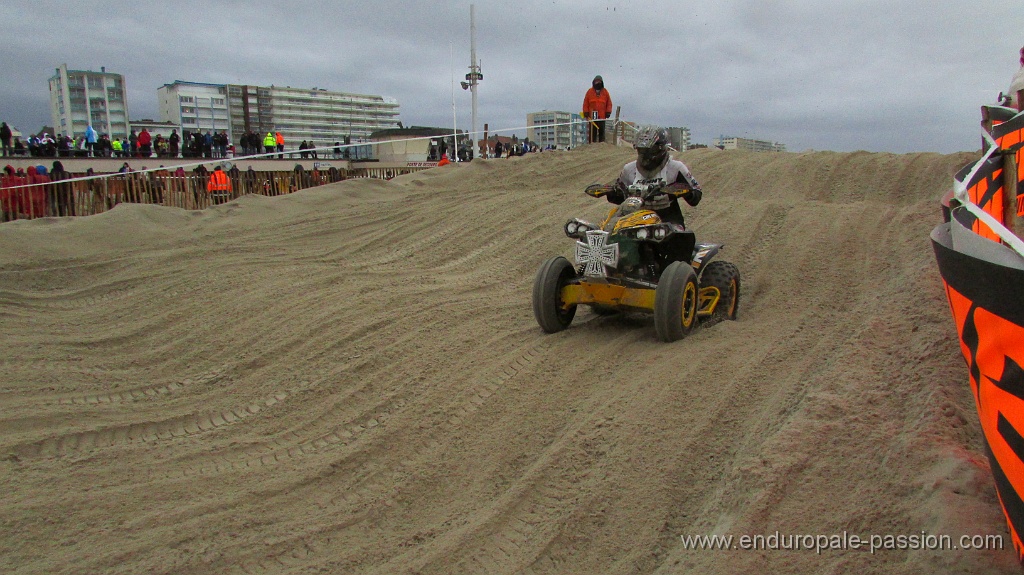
point(597, 254)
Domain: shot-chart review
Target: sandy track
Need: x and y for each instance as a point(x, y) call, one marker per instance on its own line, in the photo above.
point(350, 380)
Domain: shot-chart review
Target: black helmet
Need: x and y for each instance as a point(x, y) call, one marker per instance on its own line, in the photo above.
point(651, 145)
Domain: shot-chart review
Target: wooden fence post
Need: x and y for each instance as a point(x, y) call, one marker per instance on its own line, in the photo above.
point(620, 129)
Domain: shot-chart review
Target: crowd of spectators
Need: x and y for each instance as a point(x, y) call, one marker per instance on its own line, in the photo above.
point(38, 191)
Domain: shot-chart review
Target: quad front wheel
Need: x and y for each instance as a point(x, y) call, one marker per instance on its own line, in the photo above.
point(675, 302)
point(548, 307)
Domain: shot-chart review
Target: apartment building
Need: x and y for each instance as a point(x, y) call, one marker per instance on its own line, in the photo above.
point(562, 130)
point(679, 137)
point(194, 106)
point(733, 143)
point(79, 98)
point(311, 114)
point(324, 116)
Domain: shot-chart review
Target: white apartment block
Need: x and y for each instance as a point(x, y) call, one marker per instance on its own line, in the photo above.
point(680, 137)
point(324, 117)
point(562, 130)
point(79, 98)
point(194, 106)
point(733, 143)
point(315, 115)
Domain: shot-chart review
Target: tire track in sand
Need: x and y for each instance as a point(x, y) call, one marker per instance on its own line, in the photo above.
point(65, 445)
point(383, 482)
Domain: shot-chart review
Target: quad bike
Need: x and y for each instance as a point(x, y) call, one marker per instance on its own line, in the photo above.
point(634, 261)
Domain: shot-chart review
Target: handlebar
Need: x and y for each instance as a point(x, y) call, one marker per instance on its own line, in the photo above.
point(642, 190)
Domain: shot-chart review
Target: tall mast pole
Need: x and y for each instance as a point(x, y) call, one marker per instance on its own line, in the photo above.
point(474, 75)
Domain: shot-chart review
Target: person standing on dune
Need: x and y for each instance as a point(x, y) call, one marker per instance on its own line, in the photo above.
point(597, 107)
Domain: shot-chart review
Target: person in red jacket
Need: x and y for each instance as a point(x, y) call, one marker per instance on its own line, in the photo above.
point(145, 143)
point(32, 200)
point(219, 186)
point(597, 107)
point(8, 197)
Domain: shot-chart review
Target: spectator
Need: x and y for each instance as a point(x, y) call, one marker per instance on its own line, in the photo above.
point(158, 183)
point(219, 186)
point(597, 107)
point(19, 147)
point(63, 146)
point(8, 197)
point(103, 146)
point(33, 199)
point(133, 145)
point(63, 199)
point(251, 180)
point(47, 146)
point(279, 139)
point(90, 140)
point(269, 143)
point(196, 145)
point(173, 142)
point(96, 193)
point(5, 138)
point(302, 150)
point(1016, 85)
point(145, 142)
point(235, 175)
point(202, 175)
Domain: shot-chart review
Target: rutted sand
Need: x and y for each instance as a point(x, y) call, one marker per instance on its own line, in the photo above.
point(350, 380)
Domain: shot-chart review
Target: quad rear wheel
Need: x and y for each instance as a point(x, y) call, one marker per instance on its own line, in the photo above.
point(675, 302)
point(548, 307)
point(726, 278)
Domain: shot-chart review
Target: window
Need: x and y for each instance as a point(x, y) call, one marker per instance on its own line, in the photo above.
point(186, 99)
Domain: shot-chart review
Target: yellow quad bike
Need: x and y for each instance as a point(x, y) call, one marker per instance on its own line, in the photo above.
point(634, 261)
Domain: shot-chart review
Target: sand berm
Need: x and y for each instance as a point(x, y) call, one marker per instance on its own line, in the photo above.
point(350, 379)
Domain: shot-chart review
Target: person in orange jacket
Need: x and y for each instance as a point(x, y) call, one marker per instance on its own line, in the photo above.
point(219, 186)
point(280, 144)
point(597, 107)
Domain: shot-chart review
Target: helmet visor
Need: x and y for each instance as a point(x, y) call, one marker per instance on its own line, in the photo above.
point(650, 157)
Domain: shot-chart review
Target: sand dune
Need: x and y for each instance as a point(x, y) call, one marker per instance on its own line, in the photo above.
point(350, 380)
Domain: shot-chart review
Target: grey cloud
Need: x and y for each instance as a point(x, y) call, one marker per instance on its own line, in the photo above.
point(845, 75)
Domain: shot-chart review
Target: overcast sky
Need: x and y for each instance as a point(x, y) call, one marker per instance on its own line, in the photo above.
point(887, 75)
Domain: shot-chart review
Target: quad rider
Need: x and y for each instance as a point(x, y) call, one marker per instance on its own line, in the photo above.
point(653, 163)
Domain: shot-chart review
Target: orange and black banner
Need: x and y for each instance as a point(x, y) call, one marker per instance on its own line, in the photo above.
point(986, 190)
point(987, 302)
